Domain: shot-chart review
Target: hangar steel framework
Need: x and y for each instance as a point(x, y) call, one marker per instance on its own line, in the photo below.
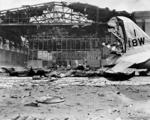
point(32, 21)
point(52, 13)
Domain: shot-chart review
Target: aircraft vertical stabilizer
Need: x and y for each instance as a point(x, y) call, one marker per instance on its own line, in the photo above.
point(137, 46)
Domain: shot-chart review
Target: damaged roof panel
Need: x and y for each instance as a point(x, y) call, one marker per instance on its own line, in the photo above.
point(97, 14)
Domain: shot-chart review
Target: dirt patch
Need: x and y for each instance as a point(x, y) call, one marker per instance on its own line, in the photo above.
point(86, 102)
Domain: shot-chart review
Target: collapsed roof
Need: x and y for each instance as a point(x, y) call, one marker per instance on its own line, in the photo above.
point(98, 14)
point(24, 14)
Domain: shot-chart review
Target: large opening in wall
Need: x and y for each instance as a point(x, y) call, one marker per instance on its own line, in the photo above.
point(71, 46)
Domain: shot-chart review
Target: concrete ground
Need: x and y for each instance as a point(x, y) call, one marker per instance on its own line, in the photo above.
point(83, 99)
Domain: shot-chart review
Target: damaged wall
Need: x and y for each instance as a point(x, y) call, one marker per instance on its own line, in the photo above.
point(10, 58)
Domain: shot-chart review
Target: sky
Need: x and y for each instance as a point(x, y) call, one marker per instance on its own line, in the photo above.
point(128, 5)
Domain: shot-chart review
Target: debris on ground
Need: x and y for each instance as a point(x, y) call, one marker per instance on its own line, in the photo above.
point(32, 104)
point(50, 99)
point(24, 72)
point(79, 71)
point(21, 117)
point(76, 98)
point(119, 76)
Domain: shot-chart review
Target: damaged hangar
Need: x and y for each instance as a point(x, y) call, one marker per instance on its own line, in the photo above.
point(57, 33)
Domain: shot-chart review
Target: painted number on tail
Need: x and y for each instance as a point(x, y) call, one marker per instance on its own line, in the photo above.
point(136, 42)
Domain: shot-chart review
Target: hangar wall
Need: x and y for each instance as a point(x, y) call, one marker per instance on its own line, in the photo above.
point(10, 58)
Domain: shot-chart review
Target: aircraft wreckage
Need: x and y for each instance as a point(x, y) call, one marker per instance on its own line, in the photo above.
point(134, 49)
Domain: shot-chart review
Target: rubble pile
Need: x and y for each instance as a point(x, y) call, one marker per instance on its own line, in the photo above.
point(79, 71)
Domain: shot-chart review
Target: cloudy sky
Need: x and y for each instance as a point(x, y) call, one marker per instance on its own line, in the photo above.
point(128, 5)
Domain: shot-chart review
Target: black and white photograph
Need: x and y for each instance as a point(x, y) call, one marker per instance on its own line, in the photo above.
point(74, 60)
